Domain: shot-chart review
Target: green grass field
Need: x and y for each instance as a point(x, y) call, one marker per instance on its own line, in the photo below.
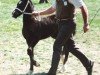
point(13, 48)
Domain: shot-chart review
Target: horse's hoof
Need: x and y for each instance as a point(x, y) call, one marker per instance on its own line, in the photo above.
point(30, 72)
point(37, 64)
point(63, 69)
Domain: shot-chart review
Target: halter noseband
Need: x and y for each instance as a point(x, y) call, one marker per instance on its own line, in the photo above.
point(23, 11)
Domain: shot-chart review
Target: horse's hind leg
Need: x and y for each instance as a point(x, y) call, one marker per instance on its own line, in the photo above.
point(30, 52)
point(65, 54)
point(64, 58)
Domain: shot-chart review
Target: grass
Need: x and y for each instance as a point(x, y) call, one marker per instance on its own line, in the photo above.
point(13, 55)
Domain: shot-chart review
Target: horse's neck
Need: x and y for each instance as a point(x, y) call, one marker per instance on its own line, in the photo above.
point(28, 20)
point(27, 16)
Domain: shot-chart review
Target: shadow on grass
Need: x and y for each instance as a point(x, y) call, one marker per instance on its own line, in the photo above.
point(32, 74)
point(40, 73)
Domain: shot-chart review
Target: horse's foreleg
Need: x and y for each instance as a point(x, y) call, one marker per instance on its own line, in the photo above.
point(30, 52)
point(33, 63)
point(31, 56)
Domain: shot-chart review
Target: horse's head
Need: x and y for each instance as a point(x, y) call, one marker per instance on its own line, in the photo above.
point(23, 7)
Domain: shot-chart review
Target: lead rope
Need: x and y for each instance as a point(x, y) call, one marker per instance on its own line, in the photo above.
point(90, 24)
point(94, 16)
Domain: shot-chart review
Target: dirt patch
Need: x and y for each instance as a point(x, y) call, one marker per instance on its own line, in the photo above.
point(15, 61)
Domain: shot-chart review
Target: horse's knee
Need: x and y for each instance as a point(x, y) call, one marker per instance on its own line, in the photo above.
point(29, 51)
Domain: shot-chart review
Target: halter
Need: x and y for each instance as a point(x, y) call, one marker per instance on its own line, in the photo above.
point(23, 11)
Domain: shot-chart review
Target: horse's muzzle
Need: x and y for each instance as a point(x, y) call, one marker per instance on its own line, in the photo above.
point(13, 14)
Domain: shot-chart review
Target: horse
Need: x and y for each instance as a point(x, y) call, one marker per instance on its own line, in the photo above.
point(34, 30)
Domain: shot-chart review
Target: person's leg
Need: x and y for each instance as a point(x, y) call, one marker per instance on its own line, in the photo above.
point(84, 60)
point(63, 35)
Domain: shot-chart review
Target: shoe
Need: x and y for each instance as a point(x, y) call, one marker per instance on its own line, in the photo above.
point(90, 68)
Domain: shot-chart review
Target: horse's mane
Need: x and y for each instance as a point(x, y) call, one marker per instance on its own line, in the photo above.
point(46, 20)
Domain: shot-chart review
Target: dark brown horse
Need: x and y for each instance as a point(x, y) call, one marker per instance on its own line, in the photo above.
point(34, 30)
